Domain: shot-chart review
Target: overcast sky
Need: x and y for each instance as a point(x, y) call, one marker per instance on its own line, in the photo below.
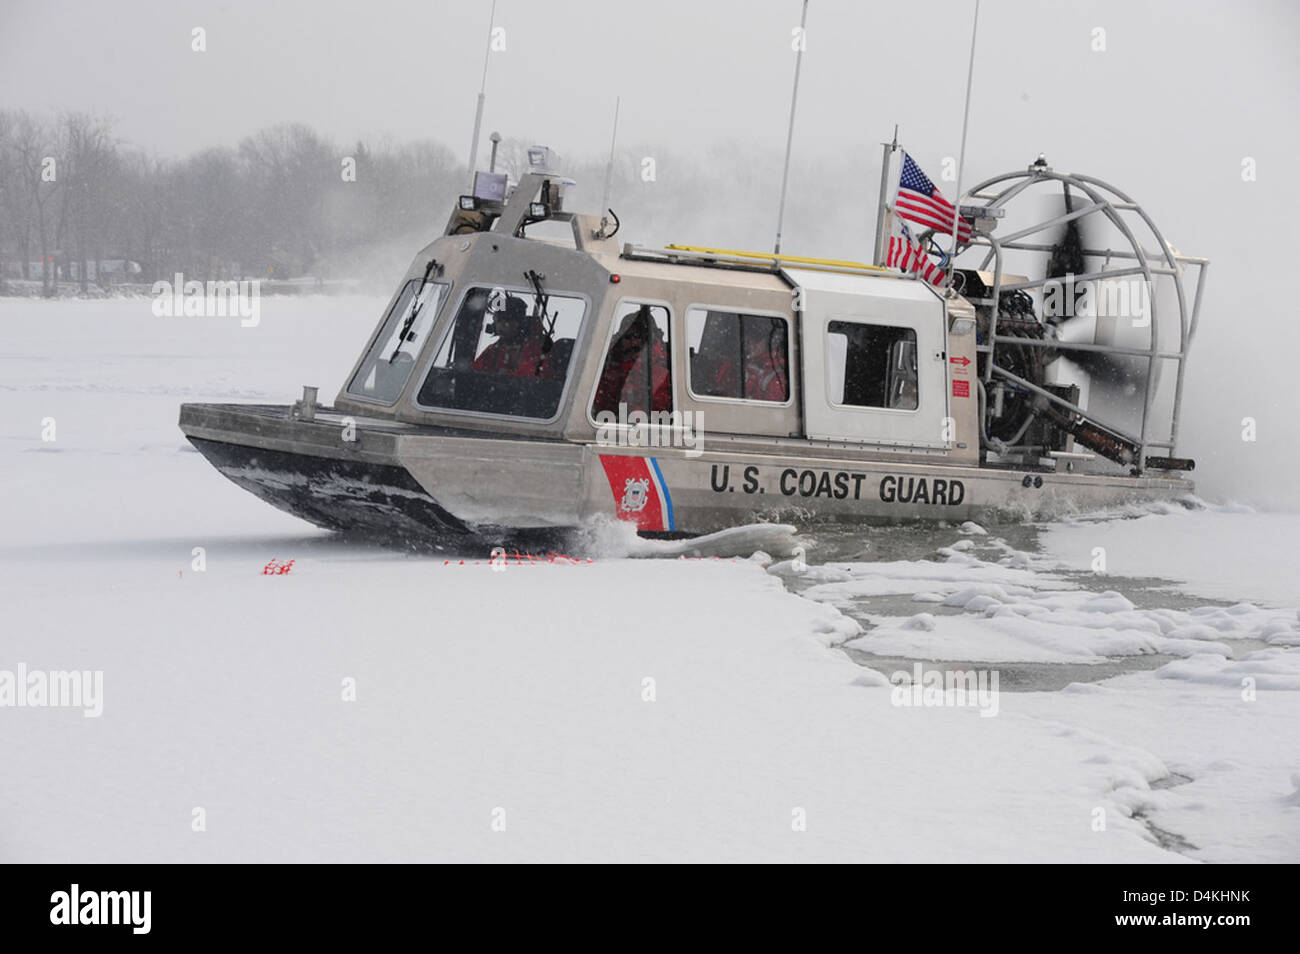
point(686, 69)
point(1182, 93)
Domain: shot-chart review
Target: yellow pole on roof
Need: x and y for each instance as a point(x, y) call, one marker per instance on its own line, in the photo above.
point(768, 256)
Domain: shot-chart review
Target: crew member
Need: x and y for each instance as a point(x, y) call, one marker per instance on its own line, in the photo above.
point(626, 379)
point(766, 375)
point(519, 349)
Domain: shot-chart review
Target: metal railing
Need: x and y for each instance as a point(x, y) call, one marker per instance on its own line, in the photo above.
point(1110, 202)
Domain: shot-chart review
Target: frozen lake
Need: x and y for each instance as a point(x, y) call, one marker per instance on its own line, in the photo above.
point(380, 705)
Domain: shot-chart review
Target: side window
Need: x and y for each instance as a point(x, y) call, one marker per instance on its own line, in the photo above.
point(871, 365)
point(637, 373)
point(391, 357)
point(745, 357)
point(507, 352)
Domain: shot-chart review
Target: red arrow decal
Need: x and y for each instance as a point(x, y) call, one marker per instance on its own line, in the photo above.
point(963, 360)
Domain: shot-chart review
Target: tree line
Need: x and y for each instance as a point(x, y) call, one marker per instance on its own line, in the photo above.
point(78, 205)
point(284, 203)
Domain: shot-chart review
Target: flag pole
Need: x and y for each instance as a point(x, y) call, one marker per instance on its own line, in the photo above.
point(478, 114)
point(883, 213)
point(789, 138)
point(961, 160)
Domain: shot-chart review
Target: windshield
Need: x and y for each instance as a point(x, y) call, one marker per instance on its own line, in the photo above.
point(507, 352)
point(391, 357)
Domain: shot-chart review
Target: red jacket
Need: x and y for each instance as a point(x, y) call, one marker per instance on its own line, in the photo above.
point(526, 362)
point(765, 379)
point(625, 382)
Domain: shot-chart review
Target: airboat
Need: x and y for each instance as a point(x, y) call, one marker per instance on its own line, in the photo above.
point(518, 383)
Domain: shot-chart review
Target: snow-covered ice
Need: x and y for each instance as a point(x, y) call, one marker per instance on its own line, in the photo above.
point(1220, 552)
point(620, 709)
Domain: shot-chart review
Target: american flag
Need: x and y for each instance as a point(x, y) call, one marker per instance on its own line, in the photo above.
point(919, 201)
point(910, 257)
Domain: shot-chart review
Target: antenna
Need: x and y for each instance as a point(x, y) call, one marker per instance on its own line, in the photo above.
point(961, 159)
point(478, 114)
point(609, 168)
point(789, 137)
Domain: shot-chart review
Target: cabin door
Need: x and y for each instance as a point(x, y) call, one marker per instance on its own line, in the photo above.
point(875, 367)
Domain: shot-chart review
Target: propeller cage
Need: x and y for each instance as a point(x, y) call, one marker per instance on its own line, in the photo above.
point(1141, 251)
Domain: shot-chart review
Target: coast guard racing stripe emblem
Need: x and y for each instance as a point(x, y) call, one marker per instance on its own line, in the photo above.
point(640, 493)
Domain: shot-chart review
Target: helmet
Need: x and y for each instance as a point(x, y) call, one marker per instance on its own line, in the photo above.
point(515, 309)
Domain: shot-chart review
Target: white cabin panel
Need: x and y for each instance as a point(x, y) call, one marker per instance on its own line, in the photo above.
point(874, 359)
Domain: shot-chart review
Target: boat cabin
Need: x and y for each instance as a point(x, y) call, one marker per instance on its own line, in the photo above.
point(583, 340)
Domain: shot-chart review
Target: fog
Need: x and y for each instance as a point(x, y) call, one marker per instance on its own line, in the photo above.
point(1180, 96)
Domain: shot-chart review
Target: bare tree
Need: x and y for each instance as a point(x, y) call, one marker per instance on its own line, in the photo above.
point(88, 152)
point(9, 187)
point(141, 211)
point(36, 146)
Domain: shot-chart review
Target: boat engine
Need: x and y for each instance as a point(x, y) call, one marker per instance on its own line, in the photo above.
point(1074, 357)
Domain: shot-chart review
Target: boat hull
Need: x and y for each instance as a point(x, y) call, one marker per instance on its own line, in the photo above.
point(411, 482)
point(343, 495)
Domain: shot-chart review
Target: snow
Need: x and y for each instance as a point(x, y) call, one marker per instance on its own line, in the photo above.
point(1218, 552)
point(475, 693)
point(1065, 626)
point(611, 708)
point(1239, 755)
point(961, 574)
